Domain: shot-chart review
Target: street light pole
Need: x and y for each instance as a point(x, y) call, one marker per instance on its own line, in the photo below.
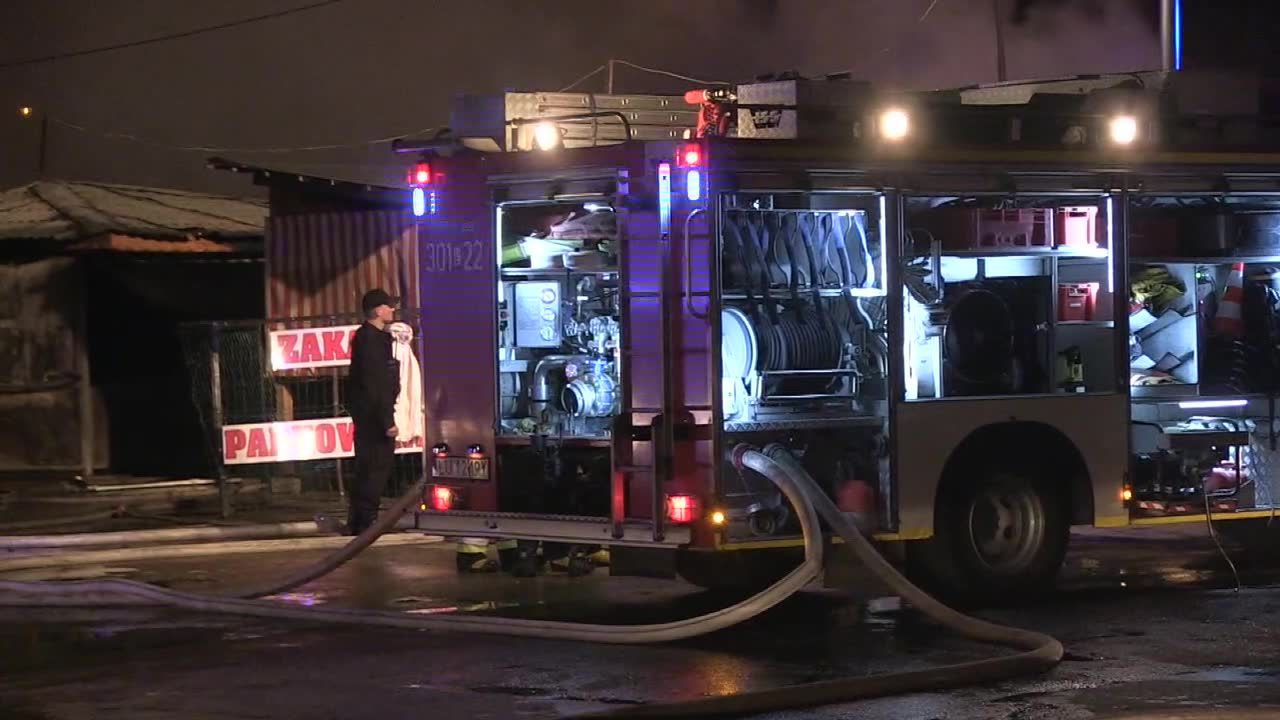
point(1002, 73)
point(44, 144)
point(26, 112)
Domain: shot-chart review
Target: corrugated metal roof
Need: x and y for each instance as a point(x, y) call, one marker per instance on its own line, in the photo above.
point(63, 210)
point(129, 244)
point(386, 174)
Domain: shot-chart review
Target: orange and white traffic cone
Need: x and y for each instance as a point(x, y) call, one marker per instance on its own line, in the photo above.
point(1229, 320)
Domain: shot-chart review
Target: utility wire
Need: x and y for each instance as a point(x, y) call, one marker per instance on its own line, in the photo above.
point(166, 38)
point(128, 137)
point(583, 79)
point(928, 10)
point(668, 73)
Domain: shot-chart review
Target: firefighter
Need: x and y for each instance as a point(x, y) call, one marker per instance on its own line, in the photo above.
point(372, 389)
point(472, 555)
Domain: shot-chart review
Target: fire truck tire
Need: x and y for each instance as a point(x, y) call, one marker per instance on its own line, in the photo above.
point(1000, 536)
point(737, 570)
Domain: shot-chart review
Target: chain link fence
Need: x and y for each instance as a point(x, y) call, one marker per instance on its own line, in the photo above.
point(247, 375)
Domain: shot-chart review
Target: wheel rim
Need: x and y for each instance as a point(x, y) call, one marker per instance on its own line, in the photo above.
point(1006, 526)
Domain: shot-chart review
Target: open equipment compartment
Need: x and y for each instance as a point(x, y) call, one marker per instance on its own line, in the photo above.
point(1204, 385)
point(803, 347)
point(558, 360)
point(1007, 296)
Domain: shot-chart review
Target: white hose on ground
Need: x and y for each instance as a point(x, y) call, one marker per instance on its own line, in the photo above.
point(28, 560)
point(1039, 652)
point(168, 535)
point(127, 592)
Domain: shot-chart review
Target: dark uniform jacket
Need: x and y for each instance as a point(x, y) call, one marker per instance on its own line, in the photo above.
point(374, 381)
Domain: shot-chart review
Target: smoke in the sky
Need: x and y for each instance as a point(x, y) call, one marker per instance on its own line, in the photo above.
point(366, 69)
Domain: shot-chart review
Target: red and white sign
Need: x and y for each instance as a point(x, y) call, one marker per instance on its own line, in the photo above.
point(311, 347)
point(295, 440)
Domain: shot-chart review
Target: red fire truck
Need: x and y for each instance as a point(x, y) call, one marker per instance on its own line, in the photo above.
point(980, 317)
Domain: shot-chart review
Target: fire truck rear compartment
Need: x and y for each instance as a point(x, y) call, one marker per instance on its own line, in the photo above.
point(557, 357)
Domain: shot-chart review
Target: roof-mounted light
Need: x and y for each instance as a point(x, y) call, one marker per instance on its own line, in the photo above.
point(546, 136)
point(894, 124)
point(1122, 129)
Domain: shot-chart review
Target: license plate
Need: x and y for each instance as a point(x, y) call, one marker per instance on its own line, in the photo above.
point(461, 468)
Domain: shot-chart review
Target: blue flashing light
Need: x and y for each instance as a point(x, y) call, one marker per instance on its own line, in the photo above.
point(1177, 34)
point(693, 185)
point(664, 198)
point(419, 202)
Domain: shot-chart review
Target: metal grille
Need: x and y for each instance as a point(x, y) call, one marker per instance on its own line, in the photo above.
point(1263, 463)
point(233, 383)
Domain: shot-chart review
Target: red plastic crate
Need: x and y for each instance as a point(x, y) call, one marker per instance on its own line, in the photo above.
point(1076, 227)
point(969, 229)
point(1077, 301)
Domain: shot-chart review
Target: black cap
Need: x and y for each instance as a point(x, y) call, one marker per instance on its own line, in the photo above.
point(376, 297)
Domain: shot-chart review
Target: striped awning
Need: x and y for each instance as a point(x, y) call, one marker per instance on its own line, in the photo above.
point(319, 264)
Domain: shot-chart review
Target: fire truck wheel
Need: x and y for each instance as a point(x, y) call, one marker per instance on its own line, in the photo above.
point(999, 537)
point(737, 570)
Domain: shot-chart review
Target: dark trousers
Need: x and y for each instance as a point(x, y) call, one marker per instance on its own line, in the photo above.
point(375, 453)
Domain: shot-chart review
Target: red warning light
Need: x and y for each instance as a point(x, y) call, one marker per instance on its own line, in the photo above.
point(441, 498)
point(689, 156)
point(420, 174)
point(682, 508)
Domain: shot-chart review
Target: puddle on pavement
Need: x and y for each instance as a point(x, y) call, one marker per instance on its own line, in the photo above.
point(535, 692)
point(10, 710)
point(35, 646)
point(1233, 675)
point(1217, 687)
point(303, 599)
point(459, 608)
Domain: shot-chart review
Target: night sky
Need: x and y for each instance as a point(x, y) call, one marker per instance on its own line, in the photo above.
point(364, 69)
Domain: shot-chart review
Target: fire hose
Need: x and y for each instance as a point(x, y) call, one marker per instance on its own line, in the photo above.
point(1039, 652)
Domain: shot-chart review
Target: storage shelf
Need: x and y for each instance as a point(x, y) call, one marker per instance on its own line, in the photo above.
point(1169, 392)
point(1063, 252)
point(1203, 260)
point(784, 293)
point(1191, 396)
point(569, 440)
point(775, 424)
point(553, 272)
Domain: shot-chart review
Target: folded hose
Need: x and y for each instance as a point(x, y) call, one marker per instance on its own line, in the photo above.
point(1040, 652)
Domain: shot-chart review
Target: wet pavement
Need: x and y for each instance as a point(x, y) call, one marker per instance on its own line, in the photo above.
point(1150, 619)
